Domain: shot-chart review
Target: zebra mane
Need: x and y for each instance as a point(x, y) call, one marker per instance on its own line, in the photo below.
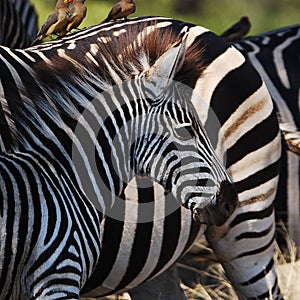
point(118, 53)
point(100, 57)
point(68, 73)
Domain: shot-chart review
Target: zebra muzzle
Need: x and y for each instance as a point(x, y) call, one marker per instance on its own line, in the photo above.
point(220, 209)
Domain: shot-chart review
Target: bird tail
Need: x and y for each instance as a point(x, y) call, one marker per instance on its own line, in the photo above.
point(37, 39)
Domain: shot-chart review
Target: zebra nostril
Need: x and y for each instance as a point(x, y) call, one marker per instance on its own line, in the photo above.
point(225, 204)
point(217, 210)
point(227, 207)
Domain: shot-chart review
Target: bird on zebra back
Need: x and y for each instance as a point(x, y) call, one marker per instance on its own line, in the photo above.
point(121, 9)
point(77, 13)
point(80, 137)
point(237, 30)
point(56, 22)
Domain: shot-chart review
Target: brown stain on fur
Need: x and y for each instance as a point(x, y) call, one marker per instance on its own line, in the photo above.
point(244, 117)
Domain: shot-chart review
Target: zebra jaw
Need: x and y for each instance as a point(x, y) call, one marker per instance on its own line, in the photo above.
point(211, 214)
point(218, 209)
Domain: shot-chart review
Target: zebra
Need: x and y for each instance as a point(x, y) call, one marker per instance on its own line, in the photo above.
point(254, 223)
point(275, 55)
point(250, 237)
point(18, 23)
point(184, 233)
point(76, 139)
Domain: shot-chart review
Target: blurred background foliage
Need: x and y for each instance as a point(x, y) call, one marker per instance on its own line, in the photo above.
point(217, 15)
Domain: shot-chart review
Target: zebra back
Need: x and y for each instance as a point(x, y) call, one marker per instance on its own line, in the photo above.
point(18, 23)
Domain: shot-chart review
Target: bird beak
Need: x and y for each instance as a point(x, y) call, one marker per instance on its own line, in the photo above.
point(68, 1)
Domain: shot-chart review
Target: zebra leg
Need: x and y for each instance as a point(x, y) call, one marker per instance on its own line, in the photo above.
point(165, 286)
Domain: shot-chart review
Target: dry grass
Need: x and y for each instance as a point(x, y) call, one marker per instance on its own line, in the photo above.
point(214, 285)
point(206, 269)
point(288, 269)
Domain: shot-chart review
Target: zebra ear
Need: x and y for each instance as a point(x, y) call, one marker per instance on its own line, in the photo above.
point(161, 74)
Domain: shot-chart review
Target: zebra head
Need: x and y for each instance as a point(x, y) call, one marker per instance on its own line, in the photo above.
point(146, 126)
point(171, 146)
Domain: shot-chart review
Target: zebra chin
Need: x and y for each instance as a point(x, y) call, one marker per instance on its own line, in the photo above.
point(220, 208)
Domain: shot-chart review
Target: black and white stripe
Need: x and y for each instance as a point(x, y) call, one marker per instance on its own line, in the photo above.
point(18, 23)
point(50, 233)
point(276, 57)
point(244, 110)
point(67, 102)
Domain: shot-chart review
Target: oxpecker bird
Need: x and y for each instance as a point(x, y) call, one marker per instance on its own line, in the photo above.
point(56, 22)
point(77, 13)
point(121, 9)
point(237, 30)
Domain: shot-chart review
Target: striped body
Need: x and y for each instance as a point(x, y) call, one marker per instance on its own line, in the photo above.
point(18, 23)
point(275, 55)
point(52, 113)
point(30, 187)
point(253, 159)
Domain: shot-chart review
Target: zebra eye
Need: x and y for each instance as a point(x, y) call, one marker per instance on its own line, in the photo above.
point(184, 131)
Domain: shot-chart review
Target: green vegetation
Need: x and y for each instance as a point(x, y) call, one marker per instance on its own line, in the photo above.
point(217, 15)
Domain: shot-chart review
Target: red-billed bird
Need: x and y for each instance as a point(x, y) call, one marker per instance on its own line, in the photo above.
point(121, 9)
point(56, 22)
point(76, 14)
point(237, 30)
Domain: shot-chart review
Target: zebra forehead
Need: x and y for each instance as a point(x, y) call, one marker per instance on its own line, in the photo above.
point(128, 49)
